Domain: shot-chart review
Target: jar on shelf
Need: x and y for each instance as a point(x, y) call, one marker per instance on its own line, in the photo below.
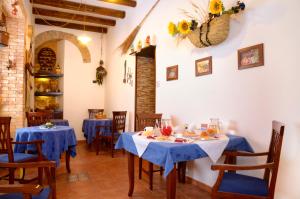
point(53, 85)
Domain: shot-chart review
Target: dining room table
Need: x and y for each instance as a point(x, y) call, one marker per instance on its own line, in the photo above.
point(57, 140)
point(89, 128)
point(60, 122)
point(167, 154)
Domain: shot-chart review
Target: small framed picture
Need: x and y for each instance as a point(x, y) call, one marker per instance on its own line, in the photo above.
point(172, 73)
point(203, 66)
point(252, 56)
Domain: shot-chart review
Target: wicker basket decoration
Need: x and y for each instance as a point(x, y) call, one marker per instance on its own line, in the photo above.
point(214, 28)
point(210, 33)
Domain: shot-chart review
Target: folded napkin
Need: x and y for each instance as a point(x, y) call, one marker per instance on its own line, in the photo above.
point(214, 148)
point(141, 143)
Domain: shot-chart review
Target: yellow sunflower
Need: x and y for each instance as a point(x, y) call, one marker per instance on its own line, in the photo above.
point(172, 29)
point(215, 7)
point(184, 27)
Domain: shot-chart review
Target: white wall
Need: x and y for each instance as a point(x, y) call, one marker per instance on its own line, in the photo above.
point(252, 98)
point(79, 91)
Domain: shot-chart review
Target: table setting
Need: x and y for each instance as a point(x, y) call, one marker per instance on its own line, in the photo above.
point(165, 146)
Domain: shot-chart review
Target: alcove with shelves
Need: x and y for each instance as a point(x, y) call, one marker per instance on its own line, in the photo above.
point(48, 78)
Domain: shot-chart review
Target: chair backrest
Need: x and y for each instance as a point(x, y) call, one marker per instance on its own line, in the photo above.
point(50, 113)
point(147, 119)
point(274, 154)
point(119, 121)
point(49, 168)
point(38, 118)
point(93, 112)
point(5, 139)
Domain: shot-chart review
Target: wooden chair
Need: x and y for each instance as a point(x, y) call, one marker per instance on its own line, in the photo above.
point(233, 185)
point(118, 126)
point(144, 120)
point(6, 152)
point(38, 118)
point(93, 112)
point(28, 191)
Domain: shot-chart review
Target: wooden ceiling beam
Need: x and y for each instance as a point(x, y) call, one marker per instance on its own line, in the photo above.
point(121, 2)
point(71, 25)
point(72, 16)
point(81, 7)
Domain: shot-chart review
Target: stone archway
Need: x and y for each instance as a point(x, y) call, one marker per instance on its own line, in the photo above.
point(59, 35)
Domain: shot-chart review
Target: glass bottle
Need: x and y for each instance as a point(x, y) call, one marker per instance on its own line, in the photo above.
point(157, 128)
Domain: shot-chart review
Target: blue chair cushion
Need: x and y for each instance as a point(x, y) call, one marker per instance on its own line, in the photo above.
point(18, 157)
point(242, 184)
point(43, 195)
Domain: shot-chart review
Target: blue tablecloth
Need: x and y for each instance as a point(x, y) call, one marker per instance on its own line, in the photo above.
point(60, 122)
point(167, 154)
point(56, 141)
point(89, 128)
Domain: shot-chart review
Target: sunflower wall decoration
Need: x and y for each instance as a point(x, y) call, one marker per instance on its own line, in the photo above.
point(211, 28)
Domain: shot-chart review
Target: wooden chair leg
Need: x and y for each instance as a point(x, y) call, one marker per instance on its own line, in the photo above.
point(150, 176)
point(11, 176)
point(140, 167)
point(112, 148)
point(40, 176)
point(97, 142)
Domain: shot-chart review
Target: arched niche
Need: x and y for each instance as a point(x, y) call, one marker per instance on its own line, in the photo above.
point(59, 35)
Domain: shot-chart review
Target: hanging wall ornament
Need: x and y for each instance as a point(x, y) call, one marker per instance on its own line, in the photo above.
point(206, 30)
point(100, 71)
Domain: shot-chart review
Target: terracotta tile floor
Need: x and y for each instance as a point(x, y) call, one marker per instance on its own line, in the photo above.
point(103, 177)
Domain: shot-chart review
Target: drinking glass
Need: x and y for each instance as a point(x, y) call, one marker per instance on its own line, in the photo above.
point(214, 125)
point(166, 128)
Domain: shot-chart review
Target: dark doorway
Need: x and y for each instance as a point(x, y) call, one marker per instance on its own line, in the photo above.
point(145, 84)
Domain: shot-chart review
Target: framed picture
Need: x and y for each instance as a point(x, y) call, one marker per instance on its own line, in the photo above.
point(172, 73)
point(203, 66)
point(252, 56)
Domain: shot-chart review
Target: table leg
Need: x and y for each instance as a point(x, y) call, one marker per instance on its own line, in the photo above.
point(150, 172)
point(68, 154)
point(140, 167)
point(171, 184)
point(131, 173)
point(181, 172)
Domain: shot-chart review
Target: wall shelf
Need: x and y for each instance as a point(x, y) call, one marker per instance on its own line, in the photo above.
point(53, 94)
point(48, 75)
point(148, 51)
